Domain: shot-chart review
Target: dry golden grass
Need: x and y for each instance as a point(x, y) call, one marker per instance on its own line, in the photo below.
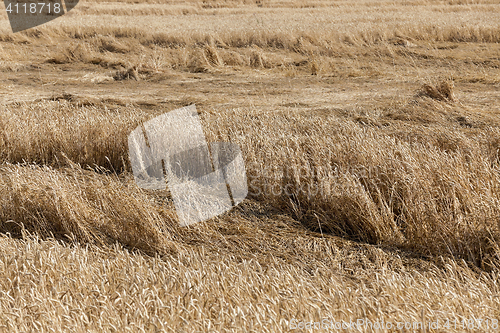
point(371, 140)
point(442, 92)
point(85, 289)
point(372, 186)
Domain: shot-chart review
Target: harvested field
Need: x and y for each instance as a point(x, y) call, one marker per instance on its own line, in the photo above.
point(370, 132)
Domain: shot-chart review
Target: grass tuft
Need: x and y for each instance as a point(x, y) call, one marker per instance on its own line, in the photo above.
point(441, 92)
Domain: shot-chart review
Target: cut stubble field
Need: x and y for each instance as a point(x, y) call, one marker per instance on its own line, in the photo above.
point(370, 132)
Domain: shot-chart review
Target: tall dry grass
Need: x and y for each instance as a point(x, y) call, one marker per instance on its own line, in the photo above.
point(46, 284)
point(90, 136)
point(376, 186)
point(431, 191)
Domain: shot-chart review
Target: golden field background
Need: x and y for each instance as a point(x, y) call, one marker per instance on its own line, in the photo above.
point(381, 117)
